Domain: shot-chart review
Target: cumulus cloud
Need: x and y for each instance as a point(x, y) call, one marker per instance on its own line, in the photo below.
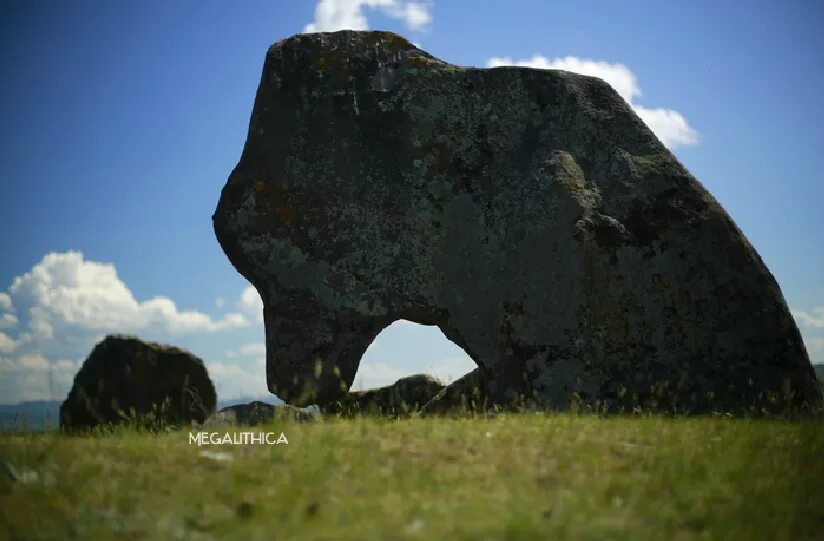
point(5, 303)
point(8, 318)
point(816, 344)
point(33, 377)
point(332, 15)
point(813, 319)
point(450, 369)
point(815, 347)
point(811, 324)
point(65, 304)
point(668, 125)
point(239, 379)
point(251, 304)
point(65, 291)
point(244, 375)
point(7, 321)
point(7, 345)
point(256, 349)
point(376, 374)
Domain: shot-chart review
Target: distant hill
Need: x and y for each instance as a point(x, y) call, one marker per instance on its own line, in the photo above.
point(246, 399)
point(33, 414)
point(819, 372)
point(45, 414)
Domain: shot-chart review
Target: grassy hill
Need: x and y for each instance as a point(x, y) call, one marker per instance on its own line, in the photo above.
point(518, 476)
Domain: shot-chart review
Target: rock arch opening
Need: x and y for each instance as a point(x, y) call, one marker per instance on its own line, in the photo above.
point(405, 348)
point(406, 365)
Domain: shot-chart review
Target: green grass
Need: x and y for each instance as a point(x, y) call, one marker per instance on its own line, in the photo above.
point(518, 476)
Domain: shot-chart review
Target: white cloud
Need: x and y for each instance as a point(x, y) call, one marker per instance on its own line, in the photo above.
point(64, 291)
point(251, 304)
point(33, 377)
point(811, 324)
point(7, 321)
point(373, 374)
point(416, 15)
point(257, 349)
point(65, 304)
point(35, 363)
point(8, 318)
point(813, 319)
point(239, 380)
point(219, 302)
point(815, 347)
point(332, 15)
point(669, 126)
point(252, 350)
point(7, 344)
point(448, 370)
point(5, 303)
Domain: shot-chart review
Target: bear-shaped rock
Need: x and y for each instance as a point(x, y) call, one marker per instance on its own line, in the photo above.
point(529, 214)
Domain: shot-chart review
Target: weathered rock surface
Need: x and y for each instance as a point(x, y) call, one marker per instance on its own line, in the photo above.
point(530, 214)
point(255, 413)
point(406, 395)
point(124, 373)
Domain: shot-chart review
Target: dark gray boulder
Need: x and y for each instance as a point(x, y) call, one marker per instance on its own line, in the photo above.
point(407, 395)
point(127, 378)
point(257, 412)
point(529, 214)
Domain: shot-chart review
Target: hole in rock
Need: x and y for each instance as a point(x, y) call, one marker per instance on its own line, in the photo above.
point(405, 348)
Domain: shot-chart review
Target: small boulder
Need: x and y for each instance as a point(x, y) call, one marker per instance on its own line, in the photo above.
point(255, 413)
point(404, 396)
point(125, 377)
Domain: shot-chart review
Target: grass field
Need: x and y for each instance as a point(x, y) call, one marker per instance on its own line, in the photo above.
point(517, 476)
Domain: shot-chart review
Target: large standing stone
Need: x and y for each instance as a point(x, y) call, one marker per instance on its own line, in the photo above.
point(530, 214)
point(125, 377)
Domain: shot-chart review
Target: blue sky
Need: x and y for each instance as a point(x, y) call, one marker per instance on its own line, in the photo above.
point(122, 120)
